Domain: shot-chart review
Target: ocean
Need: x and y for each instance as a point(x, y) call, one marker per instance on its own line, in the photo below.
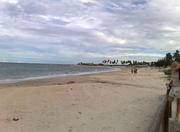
point(16, 72)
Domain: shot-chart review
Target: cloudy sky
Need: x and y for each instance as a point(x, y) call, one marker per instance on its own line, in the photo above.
point(70, 31)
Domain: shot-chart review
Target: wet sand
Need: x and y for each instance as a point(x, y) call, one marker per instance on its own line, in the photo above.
point(105, 102)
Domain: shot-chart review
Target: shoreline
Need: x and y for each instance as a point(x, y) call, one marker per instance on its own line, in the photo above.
point(59, 80)
point(14, 81)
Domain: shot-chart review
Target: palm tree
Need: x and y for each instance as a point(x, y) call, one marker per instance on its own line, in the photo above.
point(176, 56)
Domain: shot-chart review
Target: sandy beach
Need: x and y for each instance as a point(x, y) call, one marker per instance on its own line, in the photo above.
point(105, 102)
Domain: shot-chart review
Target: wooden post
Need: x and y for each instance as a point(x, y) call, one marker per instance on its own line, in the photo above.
point(178, 109)
point(172, 120)
point(166, 116)
point(174, 108)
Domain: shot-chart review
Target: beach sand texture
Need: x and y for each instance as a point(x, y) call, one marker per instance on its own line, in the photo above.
point(104, 102)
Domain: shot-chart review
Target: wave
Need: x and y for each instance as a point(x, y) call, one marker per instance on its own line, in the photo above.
point(11, 81)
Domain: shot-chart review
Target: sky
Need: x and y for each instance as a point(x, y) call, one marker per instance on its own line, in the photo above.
point(71, 31)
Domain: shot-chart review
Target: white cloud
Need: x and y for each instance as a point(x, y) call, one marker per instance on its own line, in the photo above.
point(103, 28)
point(10, 1)
point(168, 28)
point(172, 42)
point(86, 1)
point(3, 60)
point(110, 39)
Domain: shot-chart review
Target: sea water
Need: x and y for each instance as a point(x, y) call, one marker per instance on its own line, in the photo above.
point(15, 72)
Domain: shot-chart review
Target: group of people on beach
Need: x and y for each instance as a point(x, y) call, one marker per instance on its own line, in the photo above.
point(134, 71)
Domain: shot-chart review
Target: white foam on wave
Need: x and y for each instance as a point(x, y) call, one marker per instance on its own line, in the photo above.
point(10, 81)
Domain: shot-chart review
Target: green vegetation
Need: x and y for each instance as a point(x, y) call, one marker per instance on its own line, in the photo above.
point(164, 62)
point(167, 72)
point(128, 62)
point(110, 61)
point(168, 59)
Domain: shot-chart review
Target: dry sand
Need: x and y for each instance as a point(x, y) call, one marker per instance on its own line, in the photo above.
point(105, 102)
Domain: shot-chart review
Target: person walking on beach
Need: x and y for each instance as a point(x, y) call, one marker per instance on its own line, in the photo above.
point(132, 71)
point(135, 71)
